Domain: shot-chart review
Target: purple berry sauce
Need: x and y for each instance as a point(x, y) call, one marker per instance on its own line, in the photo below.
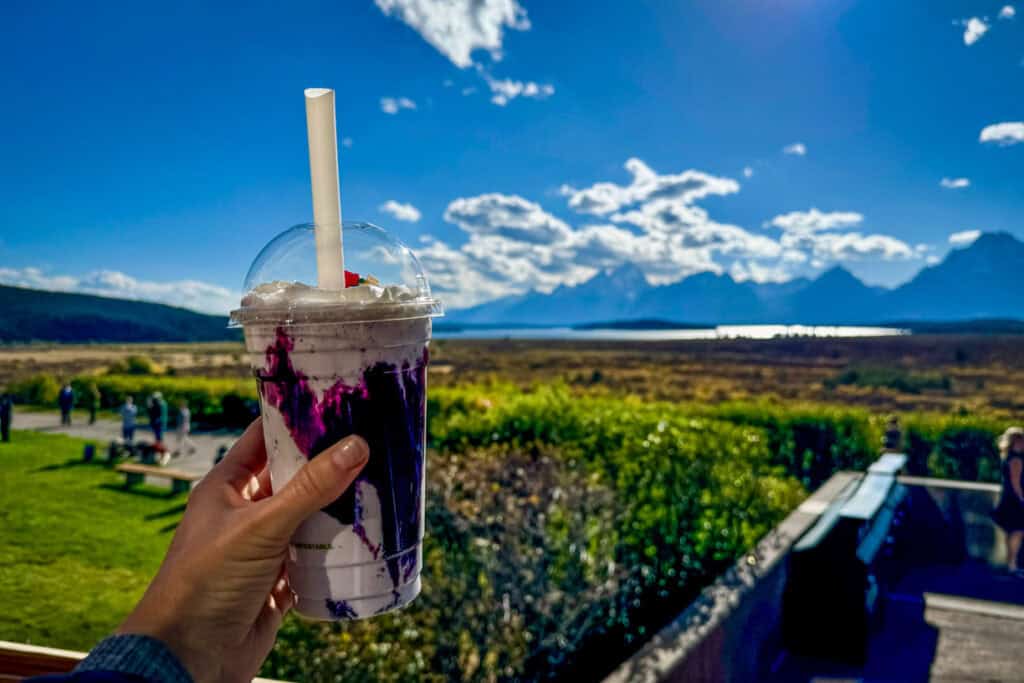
point(388, 409)
point(339, 609)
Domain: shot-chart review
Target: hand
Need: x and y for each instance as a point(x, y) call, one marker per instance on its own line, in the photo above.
point(219, 597)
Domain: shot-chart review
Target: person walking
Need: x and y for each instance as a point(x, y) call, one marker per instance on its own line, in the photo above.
point(93, 396)
point(6, 413)
point(1009, 512)
point(128, 413)
point(66, 401)
point(892, 441)
point(184, 429)
point(157, 410)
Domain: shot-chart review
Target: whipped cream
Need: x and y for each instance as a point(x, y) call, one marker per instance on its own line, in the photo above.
point(291, 294)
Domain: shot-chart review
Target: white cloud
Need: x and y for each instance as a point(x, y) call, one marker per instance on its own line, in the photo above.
point(815, 220)
point(346, 143)
point(468, 91)
point(458, 27)
point(505, 90)
point(954, 183)
point(964, 237)
point(393, 105)
point(851, 246)
point(1007, 133)
point(508, 215)
point(193, 294)
point(1007, 12)
point(974, 29)
point(797, 148)
point(756, 272)
point(748, 172)
point(514, 245)
point(603, 198)
point(403, 212)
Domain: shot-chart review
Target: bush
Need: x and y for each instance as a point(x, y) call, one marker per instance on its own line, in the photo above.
point(892, 378)
point(206, 396)
point(810, 442)
point(136, 365)
point(39, 389)
point(953, 447)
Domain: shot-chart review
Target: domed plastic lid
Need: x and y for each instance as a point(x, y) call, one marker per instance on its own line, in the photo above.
point(384, 281)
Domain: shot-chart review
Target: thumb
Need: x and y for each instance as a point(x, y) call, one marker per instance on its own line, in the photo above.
point(316, 485)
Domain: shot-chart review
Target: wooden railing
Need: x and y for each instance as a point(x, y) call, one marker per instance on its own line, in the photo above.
point(18, 661)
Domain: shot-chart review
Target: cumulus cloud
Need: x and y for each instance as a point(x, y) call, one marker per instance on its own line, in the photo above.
point(403, 212)
point(954, 183)
point(505, 90)
point(812, 235)
point(393, 105)
point(964, 237)
point(654, 223)
point(1007, 12)
point(797, 148)
point(193, 294)
point(1007, 133)
point(748, 172)
point(851, 246)
point(507, 215)
point(815, 220)
point(456, 28)
point(974, 29)
point(742, 271)
point(603, 198)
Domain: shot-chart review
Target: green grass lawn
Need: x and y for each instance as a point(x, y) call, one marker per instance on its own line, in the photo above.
point(76, 549)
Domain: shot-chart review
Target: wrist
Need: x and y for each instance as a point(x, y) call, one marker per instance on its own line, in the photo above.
point(167, 628)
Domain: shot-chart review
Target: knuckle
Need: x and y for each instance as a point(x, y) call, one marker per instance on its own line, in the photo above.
point(305, 484)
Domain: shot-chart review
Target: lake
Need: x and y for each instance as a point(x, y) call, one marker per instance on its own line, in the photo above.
point(719, 332)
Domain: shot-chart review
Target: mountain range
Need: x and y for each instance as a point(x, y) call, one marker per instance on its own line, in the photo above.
point(982, 281)
point(32, 315)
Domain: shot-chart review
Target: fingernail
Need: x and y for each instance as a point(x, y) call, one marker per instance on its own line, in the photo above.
point(350, 452)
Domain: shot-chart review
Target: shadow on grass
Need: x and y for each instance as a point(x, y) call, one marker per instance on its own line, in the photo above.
point(74, 462)
point(144, 491)
point(176, 510)
point(169, 528)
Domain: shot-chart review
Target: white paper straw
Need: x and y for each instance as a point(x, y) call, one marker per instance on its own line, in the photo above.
point(323, 173)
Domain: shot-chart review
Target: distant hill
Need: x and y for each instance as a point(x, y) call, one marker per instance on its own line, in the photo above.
point(982, 281)
point(32, 315)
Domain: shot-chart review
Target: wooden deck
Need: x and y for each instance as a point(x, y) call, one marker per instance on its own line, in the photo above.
point(935, 636)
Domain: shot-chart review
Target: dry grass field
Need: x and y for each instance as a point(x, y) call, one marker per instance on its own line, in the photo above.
point(977, 374)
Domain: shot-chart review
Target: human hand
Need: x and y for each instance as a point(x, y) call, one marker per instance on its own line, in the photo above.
point(219, 597)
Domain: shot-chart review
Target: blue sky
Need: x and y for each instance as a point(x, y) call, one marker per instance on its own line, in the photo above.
point(150, 152)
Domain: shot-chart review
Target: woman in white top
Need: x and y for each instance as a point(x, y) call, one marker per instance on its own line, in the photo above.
point(184, 429)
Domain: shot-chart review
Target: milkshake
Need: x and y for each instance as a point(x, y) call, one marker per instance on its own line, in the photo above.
point(333, 363)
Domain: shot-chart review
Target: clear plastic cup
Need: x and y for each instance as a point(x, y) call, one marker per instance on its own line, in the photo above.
point(326, 370)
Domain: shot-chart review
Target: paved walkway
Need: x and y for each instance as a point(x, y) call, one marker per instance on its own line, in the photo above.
point(105, 431)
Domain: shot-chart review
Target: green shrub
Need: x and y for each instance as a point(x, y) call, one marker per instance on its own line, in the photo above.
point(215, 401)
point(953, 447)
point(810, 442)
point(41, 389)
point(135, 365)
point(892, 378)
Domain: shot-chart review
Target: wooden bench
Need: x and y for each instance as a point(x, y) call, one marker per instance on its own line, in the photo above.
point(135, 473)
